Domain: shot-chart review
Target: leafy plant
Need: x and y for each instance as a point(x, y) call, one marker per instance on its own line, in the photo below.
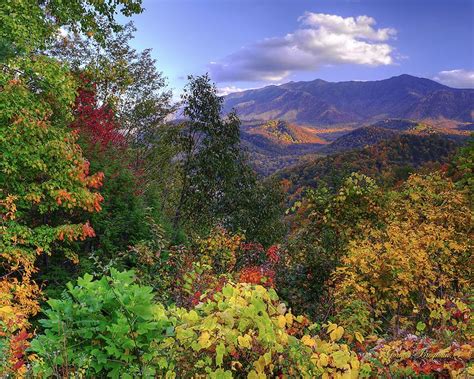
point(106, 327)
point(421, 255)
point(324, 224)
point(244, 330)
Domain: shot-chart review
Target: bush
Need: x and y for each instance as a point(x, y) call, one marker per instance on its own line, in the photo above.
point(245, 330)
point(106, 327)
point(111, 327)
point(397, 274)
point(324, 224)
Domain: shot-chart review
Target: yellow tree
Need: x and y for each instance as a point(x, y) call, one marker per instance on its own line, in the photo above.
point(394, 275)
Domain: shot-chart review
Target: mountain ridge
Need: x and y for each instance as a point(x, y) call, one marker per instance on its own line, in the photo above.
point(400, 154)
point(319, 102)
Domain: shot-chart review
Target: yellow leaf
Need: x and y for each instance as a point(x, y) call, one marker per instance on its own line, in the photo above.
point(281, 308)
point(308, 341)
point(323, 360)
point(244, 341)
point(260, 364)
point(340, 359)
point(355, 364)
point(289, 319)
point(331, 327)
point(203, 340)
point(336, 334)
point(268, 358)
point(359, 337)
point(6, 311)
point(281, 321)
point(253, 375)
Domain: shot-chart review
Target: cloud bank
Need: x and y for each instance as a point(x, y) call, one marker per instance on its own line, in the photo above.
point(456, 78)
point(321, 39)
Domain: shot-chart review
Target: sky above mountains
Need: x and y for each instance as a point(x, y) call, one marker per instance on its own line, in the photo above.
point(251, 43)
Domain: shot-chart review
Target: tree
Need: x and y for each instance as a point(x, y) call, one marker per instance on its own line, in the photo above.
point(322, 228)
point(43, 174)
point(128, 82)
point(390, 275)
point(209, 154)
point(218, 186)
point(31, 24)
point(462, 167)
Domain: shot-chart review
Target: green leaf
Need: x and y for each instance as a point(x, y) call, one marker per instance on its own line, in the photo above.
point(420, 326)
point(220, 351)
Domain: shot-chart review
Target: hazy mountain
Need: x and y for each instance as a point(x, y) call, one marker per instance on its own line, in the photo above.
point(323, 103)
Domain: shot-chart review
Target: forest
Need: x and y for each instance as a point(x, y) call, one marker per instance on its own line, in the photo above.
point(137, 244)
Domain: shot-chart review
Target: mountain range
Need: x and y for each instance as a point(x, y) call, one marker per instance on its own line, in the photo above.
point(319, 103)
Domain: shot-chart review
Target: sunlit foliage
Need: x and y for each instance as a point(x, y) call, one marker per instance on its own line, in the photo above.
point(424, 253)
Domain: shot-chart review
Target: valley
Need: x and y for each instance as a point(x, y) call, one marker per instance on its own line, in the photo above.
point(283, 125)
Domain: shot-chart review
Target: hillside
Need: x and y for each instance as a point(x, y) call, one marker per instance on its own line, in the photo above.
point(389, 160)
point(282, 132)
point(325, 103)
point(361, 137)
point(387, 129)
point(276, 144)
point(396, 124)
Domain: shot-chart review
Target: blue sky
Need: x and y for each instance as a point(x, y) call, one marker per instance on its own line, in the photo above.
point(252, 43)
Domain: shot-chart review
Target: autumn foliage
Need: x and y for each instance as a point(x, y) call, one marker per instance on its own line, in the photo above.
point(96, 122)
point(178, 259)
point(44, 176)
point(421, 254)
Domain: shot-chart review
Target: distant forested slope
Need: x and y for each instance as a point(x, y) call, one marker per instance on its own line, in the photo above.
point(389, 160)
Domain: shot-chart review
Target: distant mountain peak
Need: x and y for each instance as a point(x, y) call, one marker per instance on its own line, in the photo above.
point(406, 76)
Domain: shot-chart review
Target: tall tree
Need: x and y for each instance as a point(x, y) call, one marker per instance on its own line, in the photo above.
point(42, 170)
point(218, 185)
point(127, 81)
point(210, 153)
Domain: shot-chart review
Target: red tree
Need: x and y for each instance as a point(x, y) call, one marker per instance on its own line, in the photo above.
point(96, 122)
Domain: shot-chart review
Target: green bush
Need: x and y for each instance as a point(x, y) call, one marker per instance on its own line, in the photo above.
point(107, 327)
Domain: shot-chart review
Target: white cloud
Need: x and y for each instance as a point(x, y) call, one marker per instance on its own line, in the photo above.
point(361, 26)
point(459, 78)
point(322, 39)
point(224, 91)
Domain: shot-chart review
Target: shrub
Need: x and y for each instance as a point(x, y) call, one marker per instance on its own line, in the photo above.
point(422, 254)
point(245, 330)
point(111, 327)
point(106, 327)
